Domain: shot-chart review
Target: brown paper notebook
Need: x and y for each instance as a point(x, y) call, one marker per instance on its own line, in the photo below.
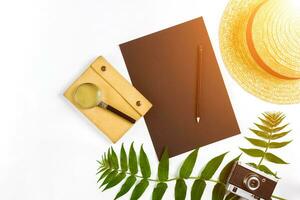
point(163, 67)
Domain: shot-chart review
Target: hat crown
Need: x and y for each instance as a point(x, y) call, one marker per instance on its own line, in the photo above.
point(273, 38)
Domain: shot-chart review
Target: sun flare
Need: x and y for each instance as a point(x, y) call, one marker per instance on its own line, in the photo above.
point(295, 4)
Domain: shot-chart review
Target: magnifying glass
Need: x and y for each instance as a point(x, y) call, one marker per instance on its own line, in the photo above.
point(88, 96)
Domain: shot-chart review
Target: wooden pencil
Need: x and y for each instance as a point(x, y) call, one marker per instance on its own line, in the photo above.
point(198, 77)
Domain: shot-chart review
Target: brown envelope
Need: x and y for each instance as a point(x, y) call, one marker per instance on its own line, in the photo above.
point(117, 92)
point(163, 66)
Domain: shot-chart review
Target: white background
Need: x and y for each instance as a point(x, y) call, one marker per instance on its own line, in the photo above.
point(48, 150)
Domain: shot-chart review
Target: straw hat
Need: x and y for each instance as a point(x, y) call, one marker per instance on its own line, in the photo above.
point(260, 45)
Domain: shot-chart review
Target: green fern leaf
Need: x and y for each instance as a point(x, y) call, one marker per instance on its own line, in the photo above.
point(263, 128)
point(266, 122)
point(268, 117)
point(257, 142)
point(279, 120)
point(227, 169)
point(252, 165)
point(139, 189)
point(114, 159)
point(144, 164)
point(123, 159)
point(104, 175)
point(260, 133)
point(100, 162)
point(105, 160)
point(274, 159)
point(279, 135)
point(188, 165)
point(115, 181)
point(264, 169)
point(109, 162)
point(126, 186)
point(276, 145)
point(109, 177)
point(212, 166)
point(198, 189)
point(218, 192)
point(163, 167)
point(100, 170)
point(159, 191)
point(133, 164)
point(232, 196)
point(275, 130)
point(274, 118)
point(180, 190)
point(253, 152)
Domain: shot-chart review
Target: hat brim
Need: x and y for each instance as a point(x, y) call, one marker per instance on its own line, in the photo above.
point(241, 65)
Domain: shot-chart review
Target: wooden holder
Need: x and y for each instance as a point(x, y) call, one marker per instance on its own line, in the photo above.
point(117, 92)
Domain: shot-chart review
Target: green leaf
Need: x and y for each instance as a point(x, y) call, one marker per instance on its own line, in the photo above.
point(253, 152)
point(264, 169)
point(268, 123)
point(235, 198)
point(105, 160)
point(114, 159)
point(139, 189)
point(144, 164)
point(109, 162)
point(133, 164)
point(163, 167)
point(275, 118)
point(260, 133)
point(227, 169)
point(280, 135)
point(101, 170)
point(218, 192)
point(263, 128)
point(126, 186)
point(115, 181)
point(198, 189)
point(275, 130)
point(180, 189)
point(257, 142)
point(232, 196)
point(109, 177)
point(276, 145)
point(159, 191)
point(123, 159)
point(188, 165)
point(279, 120)
point(212, 166)
point(252, 165)
point(101, 166)
point(274, 159)
point(104, 174)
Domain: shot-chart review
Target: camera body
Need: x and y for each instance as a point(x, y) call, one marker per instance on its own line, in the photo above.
point(250, 183)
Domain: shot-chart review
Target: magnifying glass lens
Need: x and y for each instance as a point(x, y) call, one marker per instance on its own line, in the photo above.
point(87, 95)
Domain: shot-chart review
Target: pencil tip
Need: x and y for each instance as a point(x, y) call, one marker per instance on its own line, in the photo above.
point(198, 120)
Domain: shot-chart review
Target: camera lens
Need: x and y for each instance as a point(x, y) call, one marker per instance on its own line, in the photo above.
point(252, 182)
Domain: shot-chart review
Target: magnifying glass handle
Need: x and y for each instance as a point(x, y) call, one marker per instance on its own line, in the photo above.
point(117, 112)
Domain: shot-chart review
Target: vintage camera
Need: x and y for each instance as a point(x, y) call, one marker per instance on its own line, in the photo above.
point(250, 183)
